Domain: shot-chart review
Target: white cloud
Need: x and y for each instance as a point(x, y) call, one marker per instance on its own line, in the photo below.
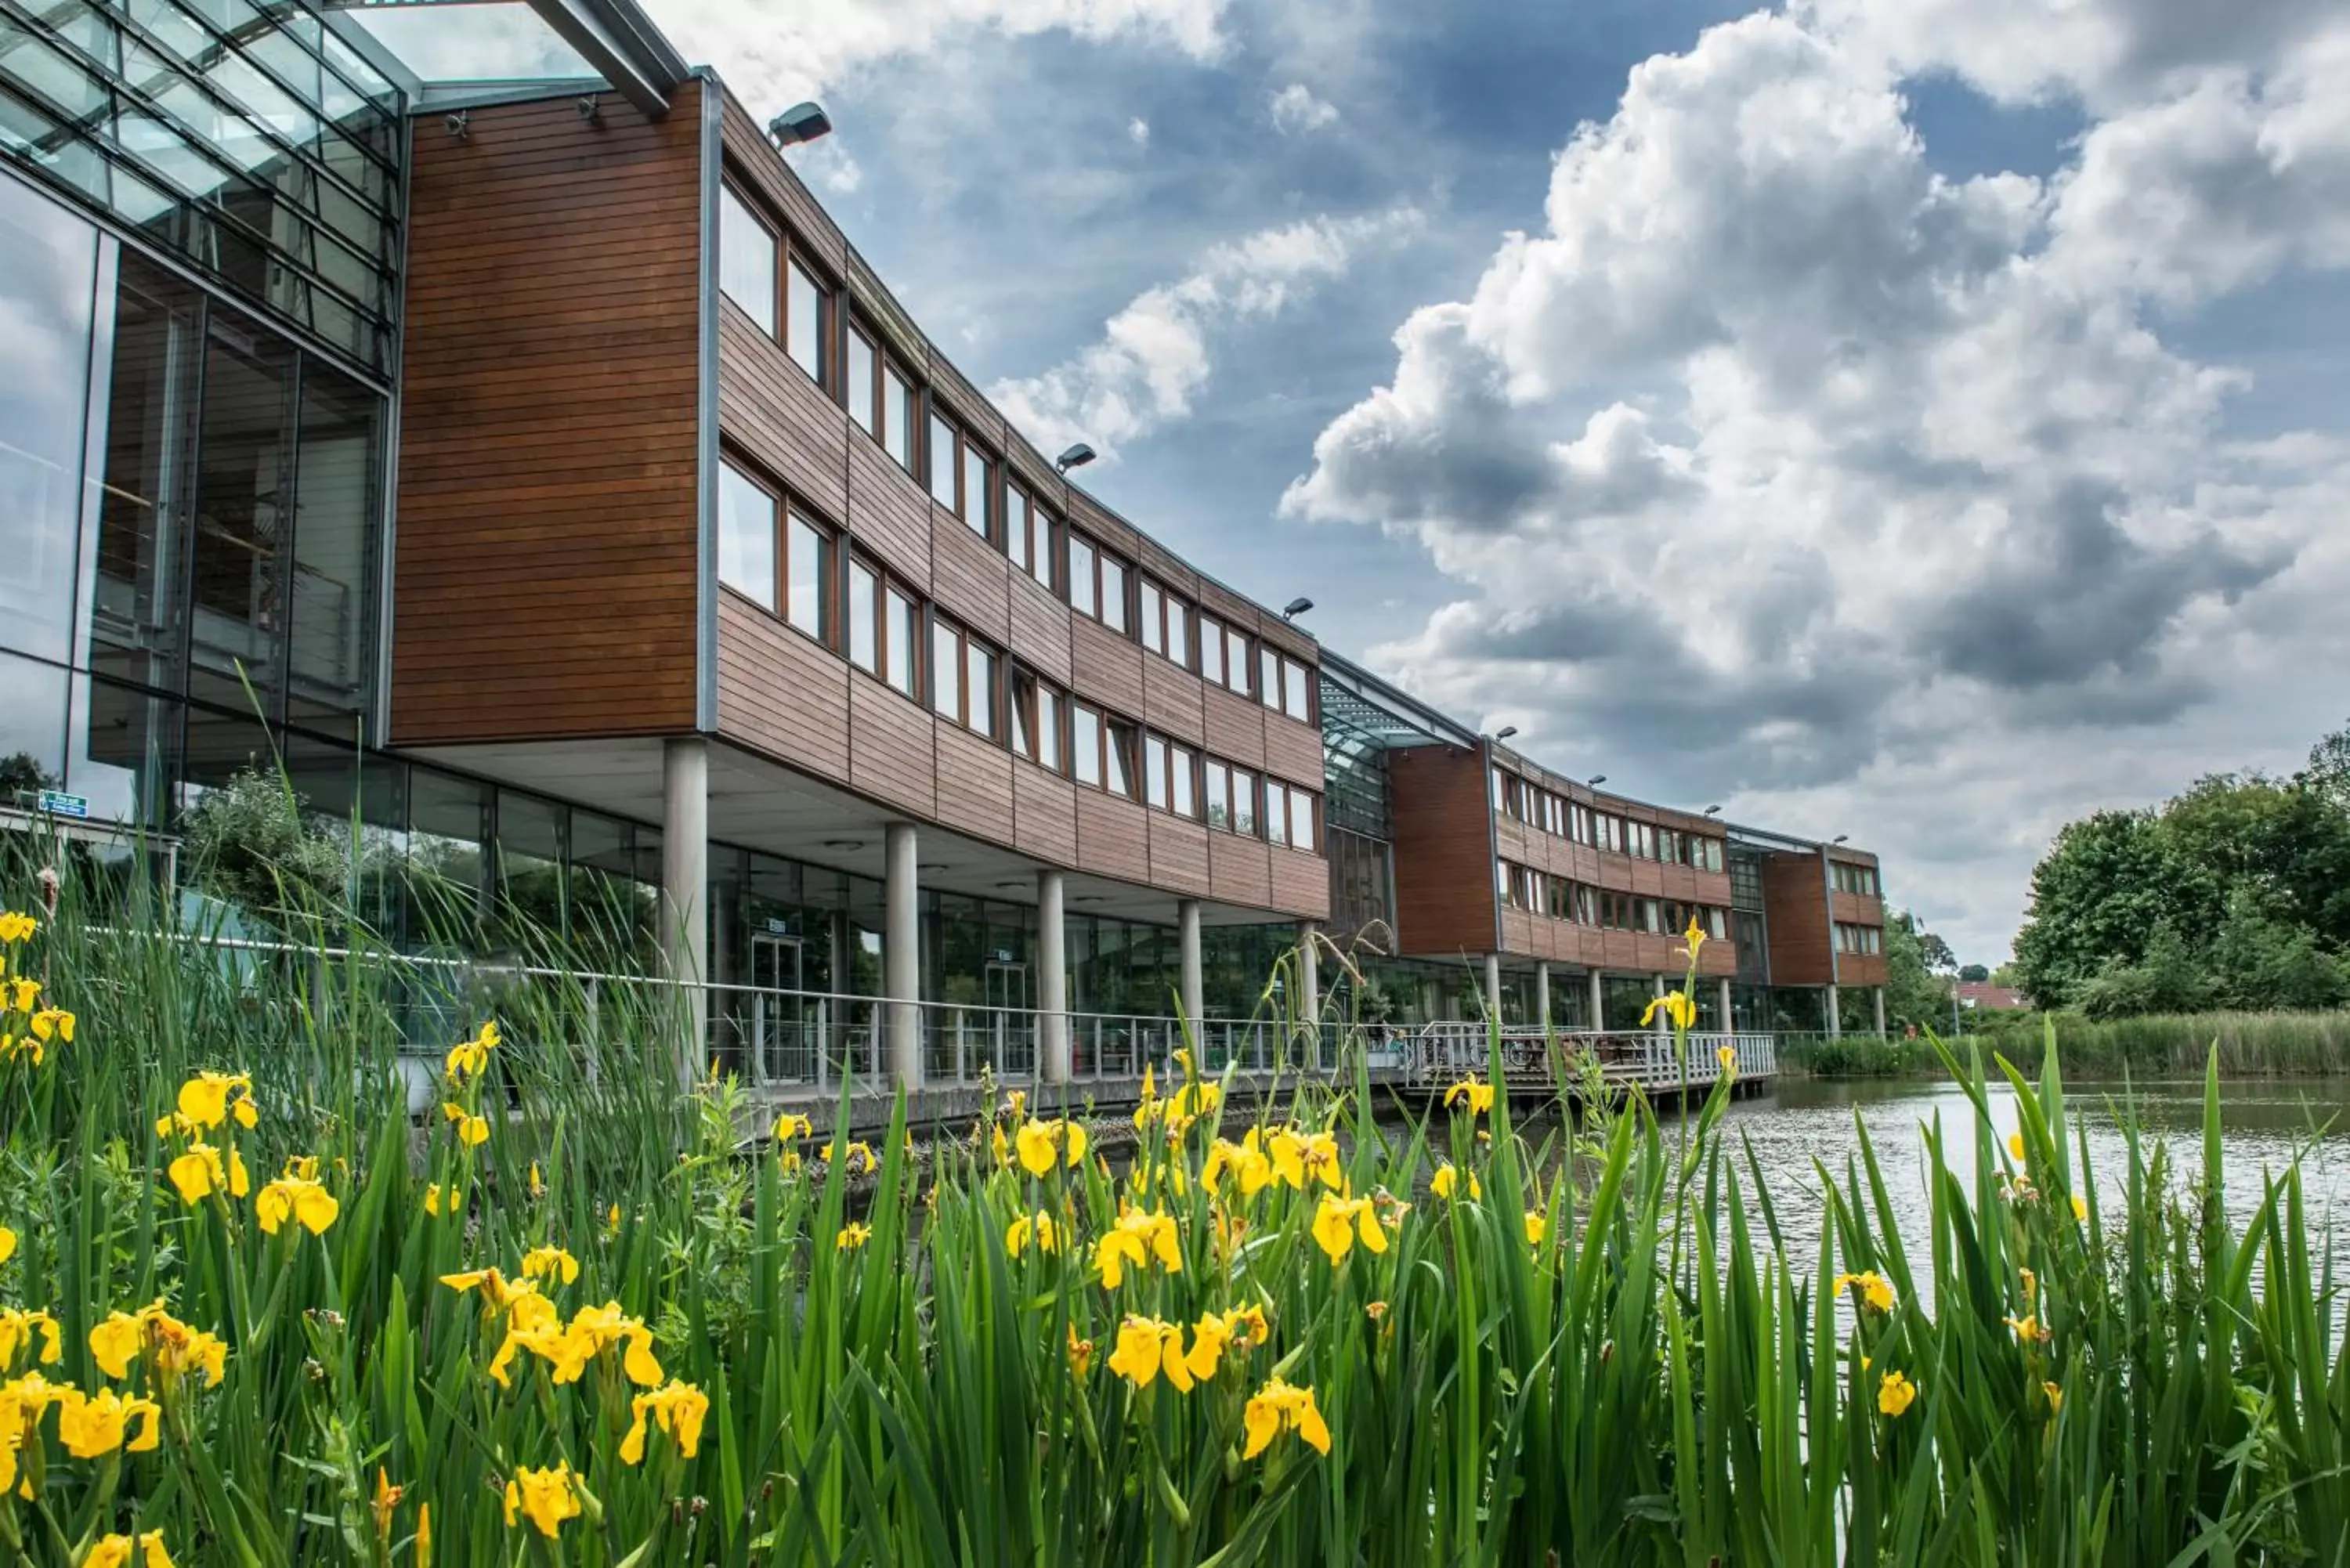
point(1154, 354)
point(1775, 464)
point(1138, 130)
point(771, 54)
point(1296, 110)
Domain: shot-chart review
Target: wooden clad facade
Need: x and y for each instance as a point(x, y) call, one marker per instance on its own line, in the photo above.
point(547, 573)
point(1443, 851)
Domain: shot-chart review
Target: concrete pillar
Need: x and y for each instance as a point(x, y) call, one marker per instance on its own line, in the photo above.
point(1187, 947)
point(1836, 1013)
point(1598, 999)
point(1309, 990)
point(1493, 987)
point(1877, 999)
point(1658, 985)
point(1053, 1058)
point(685, 882)
point(1729, 1018)
point(901, 956)
point(1542, 996)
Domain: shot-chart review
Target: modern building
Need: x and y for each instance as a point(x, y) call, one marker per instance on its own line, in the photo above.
point(530, 468)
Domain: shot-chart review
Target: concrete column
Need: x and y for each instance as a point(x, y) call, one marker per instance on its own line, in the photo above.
point(685, 883)
point(1542, 996)
point(1658, 985)
point(1836, 1013)
point(1186, 946)
point(1054, 1057)
point(1598, 999)
point(902, 957)
point(1309, 990)
point(1729, 1018)
point(1493, 987)
point(1877, 998)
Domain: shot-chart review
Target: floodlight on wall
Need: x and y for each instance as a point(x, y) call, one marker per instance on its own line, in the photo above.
point(800, 123)
point(1077, 456)
point(1598, 779)
point(1713, 811)
point(1505, 732)
point(1839, 838)
point(1295, 607)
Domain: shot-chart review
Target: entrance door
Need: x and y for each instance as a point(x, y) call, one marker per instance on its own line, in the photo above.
point(1006, 995)
point(781, 1037)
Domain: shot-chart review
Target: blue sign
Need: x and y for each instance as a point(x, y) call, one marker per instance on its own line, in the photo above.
point(57, 802)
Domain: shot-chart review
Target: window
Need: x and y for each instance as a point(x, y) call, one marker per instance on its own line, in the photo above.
point(943, 463)
point(1085, 743)
point(1178, 632)
point(1858, 939)
point(746, 259)
point(1219, 789)
point(1501, 881)
point(1118, 757)
point(1301, 820)
point(1244, 811)
point(1081, 582)
point(1153, 628)
point(975, 491)
point(1296, 692)
point(1036, 720)
point(804, 303)
point(898, 665)
point(863, 609)
point(807, 576)
point(898, 416)
point(864, 397)
point(1236, 660)
point(1182, 800)
point(1211, 651)
point(1644, 840)
point(1276, 811)
point(1113, 592)
point(1268, 679)
point(1712, 855)
point(1154, 772)
point(746, 537)
point(1018, 512)
point(962, 677)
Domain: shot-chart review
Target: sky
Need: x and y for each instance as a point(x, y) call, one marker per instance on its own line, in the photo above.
point(1918, 420)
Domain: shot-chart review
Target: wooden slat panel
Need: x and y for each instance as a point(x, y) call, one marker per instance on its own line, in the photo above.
point(1107, 527)
point(1513, 843)
point(889, 512)
point(1292, 751)
point(1043, 814)
point(975, 784)
point(1234, 726)
point(1856, 909)
point(961, 400)
point(547, 569)
point(890, 752)
point(1106, 667)
point(1170, 569)
point(1179, 854)
point(1518, 933)
point(969, 579)
point(1040, 629)
point(767, 404)
point(1795, 912)
point(1443, 853)
point(1301, 884)
point(779, 694)
point(1113, 836)
point(1171, 700)
point(1240, 870)
point(1286, 637)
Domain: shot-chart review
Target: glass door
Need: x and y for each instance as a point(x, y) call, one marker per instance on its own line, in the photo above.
point(1011, 1022)
point(781, 1024)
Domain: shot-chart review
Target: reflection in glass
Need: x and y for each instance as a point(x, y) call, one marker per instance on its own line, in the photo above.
point(244, 493)
point(330, 668)
point(33, 702)
point(137, 619)
point(124, 760)
point(49, 261)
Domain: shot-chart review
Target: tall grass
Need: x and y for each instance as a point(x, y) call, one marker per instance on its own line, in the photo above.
point(2249, 1044)
point(1607, 1358)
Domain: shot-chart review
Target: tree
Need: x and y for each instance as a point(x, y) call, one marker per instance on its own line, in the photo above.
point(22, 774)
point(2329, 767)
point(1913, 993)
point(1937, 954)
point(1974, 973)
point(2110, 881)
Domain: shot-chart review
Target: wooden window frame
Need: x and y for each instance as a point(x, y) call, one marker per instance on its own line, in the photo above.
point(827, 312)
point(884, 585)
point(1025, 710)
point(755, 211)
point(951, 683)
point(732, 464)
point(1208, 631)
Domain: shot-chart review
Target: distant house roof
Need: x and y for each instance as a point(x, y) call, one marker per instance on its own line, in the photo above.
point(1990, 998)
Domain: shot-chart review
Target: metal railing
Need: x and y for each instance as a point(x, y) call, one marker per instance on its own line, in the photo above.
point(1650, 1057)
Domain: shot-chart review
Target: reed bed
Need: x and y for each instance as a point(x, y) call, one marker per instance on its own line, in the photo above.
point(1248, 1342)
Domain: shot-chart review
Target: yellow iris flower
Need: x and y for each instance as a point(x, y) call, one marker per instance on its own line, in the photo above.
point(1537, 1227)
point(1300, 1156)
point(200, 1173)
point(1478, 1096)
point(208, 1099)
point(174, 1349)
point(7, 1243)
point(549, 1262)
point(1038, 1228)
point(677, 1408)
point(1875, 1291)
point(297, 1195)
point(15, 928)
point(117, 1551)
point(852, 1236)
point(1338, 1220)
point(545, 1497)
point(48, 1021)
point(1280, 1406)
point(1246, 1160)
point(91, 1426)
point(1138, 1237)
point(1447, 1181)
point(790, 1125)
point(1895, 1394)
point(1677, 1008)
point(472, 1131)
point(860, 1156)
point(18, 1330)
point(1040, 1143)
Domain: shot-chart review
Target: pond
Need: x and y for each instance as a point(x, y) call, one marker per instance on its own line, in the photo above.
point(2264, 1122)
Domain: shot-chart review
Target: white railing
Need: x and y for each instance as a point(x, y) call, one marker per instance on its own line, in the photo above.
point(1650, 1057)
